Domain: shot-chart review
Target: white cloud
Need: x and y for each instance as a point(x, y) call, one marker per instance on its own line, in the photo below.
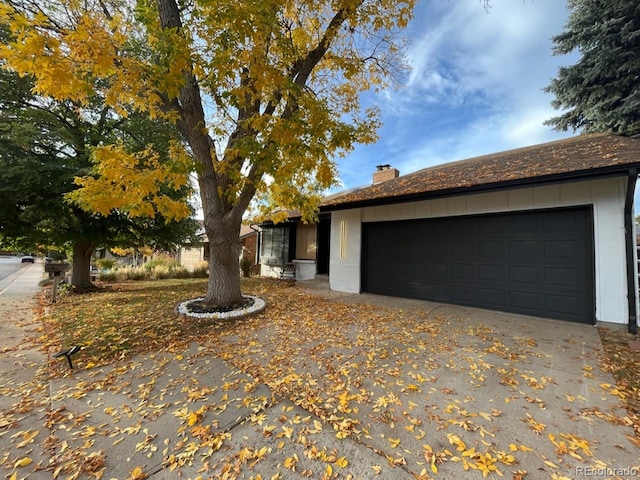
point(475, 86)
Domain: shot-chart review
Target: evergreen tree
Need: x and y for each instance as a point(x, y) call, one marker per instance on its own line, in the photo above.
point(601, 92)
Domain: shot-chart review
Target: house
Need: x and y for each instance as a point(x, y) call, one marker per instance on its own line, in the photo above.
point(130, 257)
point(192, 254)
point(292, 241)
point(546, 230)
point(249, 243)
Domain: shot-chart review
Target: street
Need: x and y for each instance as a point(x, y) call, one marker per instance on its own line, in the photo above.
point(8, 267)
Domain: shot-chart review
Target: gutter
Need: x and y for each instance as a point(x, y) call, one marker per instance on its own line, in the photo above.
point(630, 247)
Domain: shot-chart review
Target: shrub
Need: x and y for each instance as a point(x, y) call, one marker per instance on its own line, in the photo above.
point(201, 270)
point(106, 263)
point(181, 272)
point(109, 276)
point(136, 273)
point(245, 266)
point(161, 272)
point(164, 261)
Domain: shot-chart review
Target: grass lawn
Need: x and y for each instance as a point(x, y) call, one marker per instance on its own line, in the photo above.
point(125, 319)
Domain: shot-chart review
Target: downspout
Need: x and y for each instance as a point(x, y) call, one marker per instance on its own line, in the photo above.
point(257, 259)
point(630, 245)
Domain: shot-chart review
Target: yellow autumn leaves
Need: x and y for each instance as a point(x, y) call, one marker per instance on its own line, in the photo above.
point(457, 436)
point(92, 55)
point(23, 462)
point(26, 437)
point(91, 52)
point(277, 92)
point(131, 183)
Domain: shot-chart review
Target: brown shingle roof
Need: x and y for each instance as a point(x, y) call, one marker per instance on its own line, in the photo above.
point(581, 156)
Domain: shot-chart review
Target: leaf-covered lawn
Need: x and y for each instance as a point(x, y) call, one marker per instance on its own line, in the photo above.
point(126, 319)
point(121, 320)
point(622, 359)
point(425, 390)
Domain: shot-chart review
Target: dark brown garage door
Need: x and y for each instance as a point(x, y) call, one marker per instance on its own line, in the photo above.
point(535, 262)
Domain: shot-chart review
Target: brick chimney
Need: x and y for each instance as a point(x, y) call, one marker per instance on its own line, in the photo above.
point(384, 173)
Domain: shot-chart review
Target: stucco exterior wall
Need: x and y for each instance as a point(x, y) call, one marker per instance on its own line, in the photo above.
point(190, 257)
point(344, 262)
point(606, 195)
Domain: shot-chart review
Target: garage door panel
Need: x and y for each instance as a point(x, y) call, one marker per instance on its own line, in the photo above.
point(461, 248)
point(524, 274)
point(460, 271)
point(559, 249)
point(456, 227)
point(436, 249)
point(524, 248)
point(563, 304)
point(495, 226)
point(566, 277)
point(463, 295)
point(439, 292)
point(437, 270)
point(525, 302)
point(535, 262)
point(412, 289)
point(413, 270)
point(523, 224)
point(563, 224)
point(491, 248)
point(491, 297)
point(492, 273)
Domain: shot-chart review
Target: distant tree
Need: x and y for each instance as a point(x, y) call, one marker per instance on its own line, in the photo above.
point(601, 92)
point(44, 146)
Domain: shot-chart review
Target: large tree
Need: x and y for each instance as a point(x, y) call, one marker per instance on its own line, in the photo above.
point(265, 93)
point(44, 146)
point(601, 91)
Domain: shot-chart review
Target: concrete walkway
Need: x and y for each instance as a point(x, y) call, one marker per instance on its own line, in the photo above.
point(24, 386)
point(192, 414)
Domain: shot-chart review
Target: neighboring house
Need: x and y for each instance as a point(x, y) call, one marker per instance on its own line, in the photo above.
point(546, 230)
point(249, 243)
point(133, 259)
point(191, 255)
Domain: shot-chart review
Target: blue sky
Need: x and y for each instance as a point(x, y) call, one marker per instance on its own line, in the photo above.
point(475, 86)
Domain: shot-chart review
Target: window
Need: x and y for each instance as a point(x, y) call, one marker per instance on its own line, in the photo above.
point(274, 249)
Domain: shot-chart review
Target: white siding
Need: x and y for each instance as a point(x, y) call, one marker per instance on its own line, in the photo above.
point(605, 195)
point(344, 266)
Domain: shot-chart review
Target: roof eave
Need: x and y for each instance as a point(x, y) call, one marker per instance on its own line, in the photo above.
point(576, 176)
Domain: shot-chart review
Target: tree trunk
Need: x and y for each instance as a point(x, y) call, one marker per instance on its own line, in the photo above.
point(222, 219)
point(81, 274)
point(223, 288)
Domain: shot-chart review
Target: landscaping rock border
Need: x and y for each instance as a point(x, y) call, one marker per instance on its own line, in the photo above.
point(258, 306)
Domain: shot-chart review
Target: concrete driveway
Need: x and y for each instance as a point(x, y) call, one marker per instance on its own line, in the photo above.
point(444, 391)
point(329, 386)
